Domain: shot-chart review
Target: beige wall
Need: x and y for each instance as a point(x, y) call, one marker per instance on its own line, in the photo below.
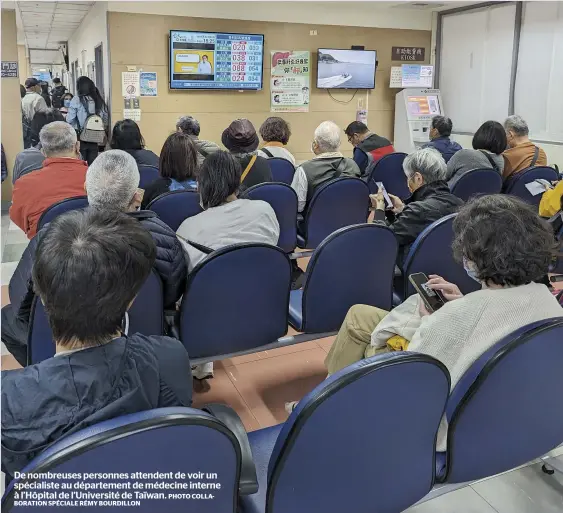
point(11, 100)
point(142, 41)
point(23, 62)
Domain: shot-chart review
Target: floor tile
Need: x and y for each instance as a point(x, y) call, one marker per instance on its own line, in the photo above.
point(8, 269)
point(267, 384)
point(464, 500)
point(246, 358)
point(13, 252)
point(9, 362)
point(5, 295)
point(295, 348)
point(326, 343)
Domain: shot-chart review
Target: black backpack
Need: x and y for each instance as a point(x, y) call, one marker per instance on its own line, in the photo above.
point(57, 96)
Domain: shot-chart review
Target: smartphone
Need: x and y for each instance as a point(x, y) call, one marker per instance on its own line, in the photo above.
point(388, 202)
point(433, 299)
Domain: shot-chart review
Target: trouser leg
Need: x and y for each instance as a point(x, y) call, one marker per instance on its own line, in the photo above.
point(14, 335)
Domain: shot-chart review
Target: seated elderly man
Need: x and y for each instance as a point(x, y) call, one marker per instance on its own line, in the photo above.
point(327, 164)
point(190, 126)
point(521, 152)
point(99, 371)
point(431, 199)
point(61, 177)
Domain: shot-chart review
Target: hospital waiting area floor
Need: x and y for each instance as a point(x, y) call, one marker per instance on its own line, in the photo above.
point(257, 386)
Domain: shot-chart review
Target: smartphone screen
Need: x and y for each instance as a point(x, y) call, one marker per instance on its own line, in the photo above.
point(388, 202)
point(433, 299)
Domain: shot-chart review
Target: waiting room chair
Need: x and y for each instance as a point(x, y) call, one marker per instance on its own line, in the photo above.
point(516, 184)
point(236, 299)
point(148, 175)
point(431, 253)
point(283, 199)
point(389, 170)
point(354, 265)
point(282, 170)
point(146, 316)
point(175, 207)
point(363, 441)
point(167, 440)
point(335, 204)
point(478, 182)
point(61, 207)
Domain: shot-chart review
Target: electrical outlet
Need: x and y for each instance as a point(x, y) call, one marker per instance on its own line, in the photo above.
point(312, 32)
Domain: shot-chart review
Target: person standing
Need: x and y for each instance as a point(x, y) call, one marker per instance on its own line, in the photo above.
point(32, 103)
point(57, 93)
point(204, 67)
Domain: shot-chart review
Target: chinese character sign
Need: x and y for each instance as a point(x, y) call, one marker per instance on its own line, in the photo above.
point(289, 83)
point(408, 53)
point(9, 69)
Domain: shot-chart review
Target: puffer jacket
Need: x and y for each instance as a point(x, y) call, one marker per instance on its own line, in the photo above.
point(445, 146)
point(204, 148)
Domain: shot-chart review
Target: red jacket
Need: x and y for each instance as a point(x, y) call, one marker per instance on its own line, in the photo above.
point(58, 179)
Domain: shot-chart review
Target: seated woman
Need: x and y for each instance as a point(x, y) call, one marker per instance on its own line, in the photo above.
point(504, 246)
point(241, 140)
point(177, 169)
point(127, 136)
point(275, 133)
point(489, 142)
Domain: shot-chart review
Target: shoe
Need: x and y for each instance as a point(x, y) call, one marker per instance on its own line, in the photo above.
point(289, 407)
point(203, 371)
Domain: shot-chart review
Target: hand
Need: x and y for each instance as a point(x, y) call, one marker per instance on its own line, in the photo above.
point(398, 205)
point(377, 200)
point(422, 308)
point(450, 291)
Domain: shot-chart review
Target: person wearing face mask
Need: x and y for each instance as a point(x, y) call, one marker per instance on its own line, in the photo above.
point(431, 199)
point(66, 99)
point(61, 177)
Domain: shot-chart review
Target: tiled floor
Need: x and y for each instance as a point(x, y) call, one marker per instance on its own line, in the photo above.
point(258, 385)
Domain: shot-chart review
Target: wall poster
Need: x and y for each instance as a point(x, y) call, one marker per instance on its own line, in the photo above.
point(290, 81)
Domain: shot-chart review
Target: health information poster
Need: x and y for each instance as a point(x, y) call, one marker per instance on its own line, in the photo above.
point(290, 81)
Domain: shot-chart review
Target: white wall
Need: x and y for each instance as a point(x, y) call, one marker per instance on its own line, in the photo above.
point(92, 31)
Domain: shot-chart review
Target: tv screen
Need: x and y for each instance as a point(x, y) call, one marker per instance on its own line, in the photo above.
point(215, 60)
point(346, 69)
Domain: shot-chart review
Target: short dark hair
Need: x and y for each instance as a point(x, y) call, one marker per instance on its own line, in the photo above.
point(89, 265)
point(275, 129)
point(126, 135)
point(443, 124)
point(31, 82)
point(505, 239)
point(356, 127)
point(490, 136)
point(218, 178)
point(205, 56)
point(23, 92)
point(56, 80)
point(178, 157)
point(189, 125)
point(42, 118)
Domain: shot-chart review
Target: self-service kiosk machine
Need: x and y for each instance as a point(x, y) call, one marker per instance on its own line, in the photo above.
point(414, 110)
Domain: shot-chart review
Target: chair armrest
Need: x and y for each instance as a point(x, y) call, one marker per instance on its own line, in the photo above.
point(248, 484)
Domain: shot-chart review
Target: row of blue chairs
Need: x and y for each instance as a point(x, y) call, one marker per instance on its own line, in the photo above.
point(364, 440)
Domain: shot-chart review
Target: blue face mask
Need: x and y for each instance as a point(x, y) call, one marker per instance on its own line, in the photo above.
point(67, 103)
point(470, 272)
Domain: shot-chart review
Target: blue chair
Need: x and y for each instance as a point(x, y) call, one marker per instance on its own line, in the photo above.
point(175, 207)
point(146, 316)
point(61, 207)
point(236, 299)
point(506, 409)
point(389, 170)
point(516, 184)
point(335, 204)
point(148, 175)
point(362, 441)
point(283, 199)
point(354, 265)
point(167, 440)
point(282, 170)
point(431, 253)
point(478, 182)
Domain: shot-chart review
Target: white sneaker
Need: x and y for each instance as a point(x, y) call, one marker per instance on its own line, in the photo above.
point(203, 371)
point(289, 407)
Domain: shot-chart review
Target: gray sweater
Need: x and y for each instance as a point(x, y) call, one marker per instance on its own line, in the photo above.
point(467, 160)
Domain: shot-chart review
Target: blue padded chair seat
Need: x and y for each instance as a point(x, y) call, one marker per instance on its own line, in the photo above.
point(262, 444)
point(296, 308)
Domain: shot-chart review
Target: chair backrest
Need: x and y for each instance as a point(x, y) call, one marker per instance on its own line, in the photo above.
point(236, 299)
point(431, 253)
point(346, 443)
point(354, 265)
point(282, 170)
point(389, 170)
point(175, 207)
point(146, 316)
point(516, 184)
point(506, 409)
point(60, 208)
point(148, 175)
point(335, 204)
point(283, 199)
point(478, 182)
point(167, 440)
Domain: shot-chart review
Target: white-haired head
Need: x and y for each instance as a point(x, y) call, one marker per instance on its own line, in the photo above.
point(58, 139)
point(112, 181)
point(326, 138)
point(516, 129)
point(424, 166)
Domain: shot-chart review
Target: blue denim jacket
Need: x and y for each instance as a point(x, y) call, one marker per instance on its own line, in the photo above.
point(77, 114)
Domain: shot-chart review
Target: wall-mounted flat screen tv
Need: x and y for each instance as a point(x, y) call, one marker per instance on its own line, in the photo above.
point(346, 69)
point(215, 60)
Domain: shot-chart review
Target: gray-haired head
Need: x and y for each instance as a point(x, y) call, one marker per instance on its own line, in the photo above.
point(428, 162)
point(189, 125)
point(516, 125)
point(58, 139)
point(112, 180)
point(327, 137)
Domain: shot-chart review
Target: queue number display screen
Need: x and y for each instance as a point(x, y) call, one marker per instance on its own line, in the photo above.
point(423, 106)
point(209, 60)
